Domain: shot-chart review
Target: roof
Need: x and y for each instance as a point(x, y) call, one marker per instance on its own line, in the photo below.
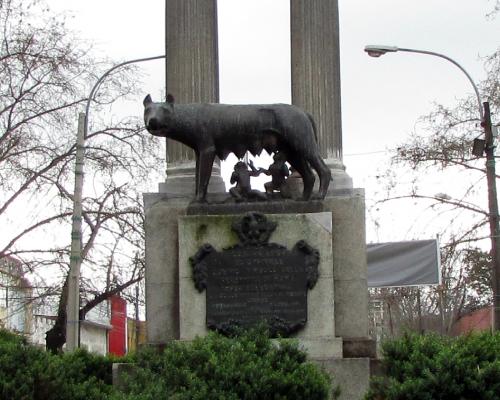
point(96, 324)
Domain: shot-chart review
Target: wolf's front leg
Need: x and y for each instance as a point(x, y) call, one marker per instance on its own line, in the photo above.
point(197, 174)
point(205, 163)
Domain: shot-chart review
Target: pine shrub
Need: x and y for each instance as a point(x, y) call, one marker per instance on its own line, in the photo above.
point(428, 367)
point(249, 366)
point(30, 373)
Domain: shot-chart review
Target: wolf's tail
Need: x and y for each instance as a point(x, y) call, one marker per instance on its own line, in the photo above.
point(311, 119)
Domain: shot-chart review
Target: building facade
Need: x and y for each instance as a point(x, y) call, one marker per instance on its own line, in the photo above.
point(15, 297)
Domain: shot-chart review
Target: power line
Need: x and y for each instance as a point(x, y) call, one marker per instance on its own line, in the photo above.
point(367, 153)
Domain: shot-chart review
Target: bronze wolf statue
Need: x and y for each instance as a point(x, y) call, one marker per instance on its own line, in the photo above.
point(219, 129)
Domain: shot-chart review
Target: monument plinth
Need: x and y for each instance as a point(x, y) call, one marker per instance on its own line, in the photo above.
point(337, 305)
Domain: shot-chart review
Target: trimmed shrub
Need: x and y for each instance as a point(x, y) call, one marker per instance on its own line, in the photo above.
point(249, 366)
point(433, 367)
point(29, 373)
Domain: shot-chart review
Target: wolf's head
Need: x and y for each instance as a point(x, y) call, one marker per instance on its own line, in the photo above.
point(158, 116)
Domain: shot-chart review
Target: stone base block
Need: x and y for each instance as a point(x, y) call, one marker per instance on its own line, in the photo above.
point(320, 348)
point(359, 348)
point(121, 374)
point(352, 375)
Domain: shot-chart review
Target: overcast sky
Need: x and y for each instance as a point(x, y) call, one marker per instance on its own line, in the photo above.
point(381, 98)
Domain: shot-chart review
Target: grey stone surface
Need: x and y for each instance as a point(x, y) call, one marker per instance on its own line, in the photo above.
point(350, 238)
point(347, 240)
point(192, 71)
point(351, 374)
point(121, 373)
point(181, 181)
point(192, 76)
point(194, 231)
point(229, 207)
point(349, 250)
point(341, 181)
point(162, 273)
point(351, 308)
point(315, 74)
point(340, 178)
point(316, 69)
point(359, 347)
point(321, 347)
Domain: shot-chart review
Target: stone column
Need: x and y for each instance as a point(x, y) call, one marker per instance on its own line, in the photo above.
point(192, 76)
point(315, 59)
point(316, 76)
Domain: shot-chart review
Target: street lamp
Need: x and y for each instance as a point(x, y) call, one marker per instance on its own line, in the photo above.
point(73, 303)
point(379, 50)
point(489, 149)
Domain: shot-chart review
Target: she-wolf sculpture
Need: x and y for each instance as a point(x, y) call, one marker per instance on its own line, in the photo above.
point(219, 129)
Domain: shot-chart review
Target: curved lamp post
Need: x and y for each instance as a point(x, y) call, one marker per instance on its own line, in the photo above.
point(489, 149)
point(73, 304)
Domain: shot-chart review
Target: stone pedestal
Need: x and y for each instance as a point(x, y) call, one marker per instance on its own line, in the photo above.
point(337, 308)
point(164, 214)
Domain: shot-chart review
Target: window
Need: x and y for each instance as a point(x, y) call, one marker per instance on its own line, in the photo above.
point(4, 292)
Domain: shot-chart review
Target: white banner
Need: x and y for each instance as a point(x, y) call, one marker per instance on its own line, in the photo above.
point(409, 263)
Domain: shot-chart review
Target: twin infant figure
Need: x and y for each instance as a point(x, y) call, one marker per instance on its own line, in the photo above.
point(278, 171)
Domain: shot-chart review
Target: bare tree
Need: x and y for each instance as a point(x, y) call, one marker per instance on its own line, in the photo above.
point(442, 146)
point(495, 9)
point(466, 286)
point(45, 75)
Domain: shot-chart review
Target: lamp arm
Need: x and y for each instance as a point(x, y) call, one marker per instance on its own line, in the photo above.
point(476, 91)
point(99, 81)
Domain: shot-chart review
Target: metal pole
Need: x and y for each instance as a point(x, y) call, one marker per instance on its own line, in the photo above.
point(493, 214)
point(137, 327)
point(73, 306)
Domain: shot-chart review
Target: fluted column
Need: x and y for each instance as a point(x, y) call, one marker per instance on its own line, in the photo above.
point(316, 76)
point(192, 76)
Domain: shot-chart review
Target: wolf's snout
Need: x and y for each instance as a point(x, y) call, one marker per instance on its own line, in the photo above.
point(153, 123)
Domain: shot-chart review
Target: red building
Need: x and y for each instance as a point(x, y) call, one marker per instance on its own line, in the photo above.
point(479, 320)
point(117, 339)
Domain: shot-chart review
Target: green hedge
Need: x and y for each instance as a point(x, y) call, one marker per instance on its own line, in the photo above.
point(250, 366)
point(432, 367)
point(27, 373)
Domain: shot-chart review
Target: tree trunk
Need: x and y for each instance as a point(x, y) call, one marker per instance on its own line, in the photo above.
point(56, 336)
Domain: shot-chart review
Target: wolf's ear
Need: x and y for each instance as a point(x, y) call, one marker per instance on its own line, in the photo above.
point(147, 100)
point(170, 99)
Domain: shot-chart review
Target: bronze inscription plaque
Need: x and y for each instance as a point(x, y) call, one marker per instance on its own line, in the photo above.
point(255, 281)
